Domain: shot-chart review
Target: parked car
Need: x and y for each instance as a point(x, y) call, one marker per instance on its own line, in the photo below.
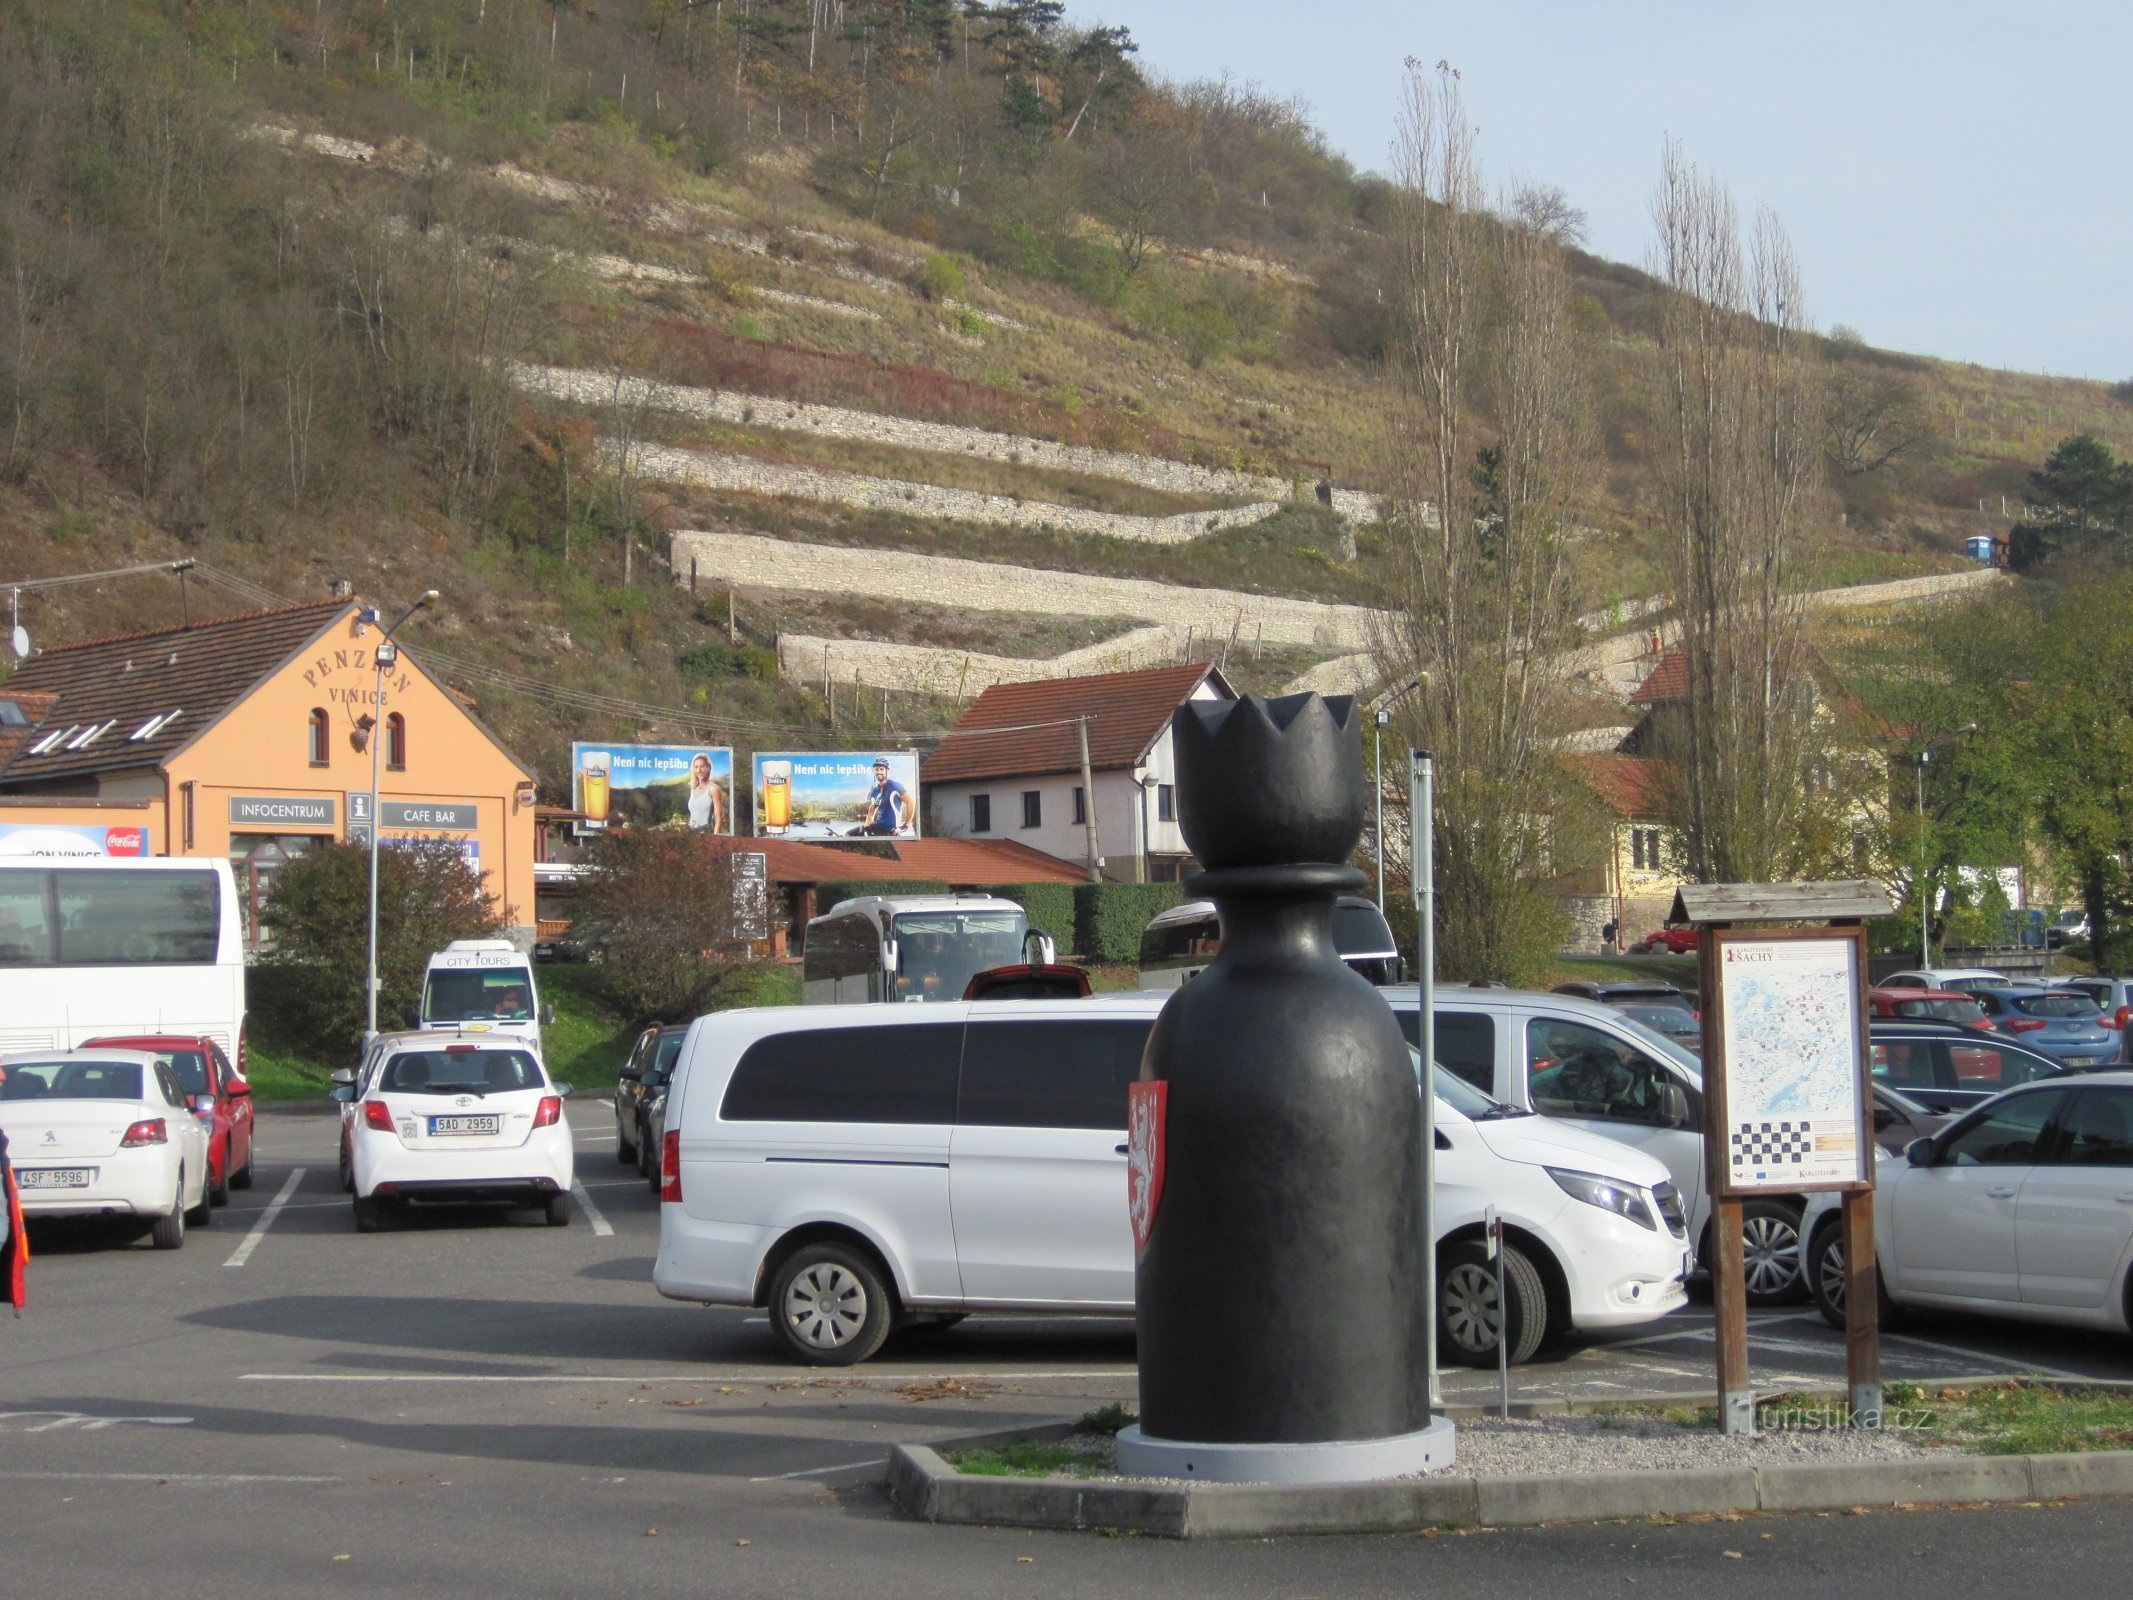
point(105, 1133)
point(1899, 1119)
point(1504, 1041)
point(1929, 1005)
point(1948, 1068)
point(2066, 928)
point(1672, 940)
point(2061, 1023)
point(2113, 997)
point(1683, 1027)
point(930, 1161)
point(1619, 991)
point(1945, 978)
point(643, 1075)
point(221, 1099)
point(456, 1118)
point(2017, 1210)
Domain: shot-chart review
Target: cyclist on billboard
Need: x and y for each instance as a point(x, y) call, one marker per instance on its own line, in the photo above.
point(887, 807)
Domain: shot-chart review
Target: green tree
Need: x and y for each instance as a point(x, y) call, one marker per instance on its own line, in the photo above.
point(660, 910)
point(2083, 489)
point(314, 994)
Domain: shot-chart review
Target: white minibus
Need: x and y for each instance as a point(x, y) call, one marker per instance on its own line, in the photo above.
point(1178, 944)
point(911, 947)
point(94, 946)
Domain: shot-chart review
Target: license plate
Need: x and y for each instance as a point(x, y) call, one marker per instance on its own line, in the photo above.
point(442, 1126)
point(55, 1177)
point(2082, 1061)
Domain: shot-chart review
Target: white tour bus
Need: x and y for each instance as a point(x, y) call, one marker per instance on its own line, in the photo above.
point(911, 947)
point(482, 986)
point(95, 945)
point(1178, 944)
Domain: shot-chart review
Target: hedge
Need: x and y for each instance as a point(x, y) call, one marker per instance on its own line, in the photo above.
point(1109, 918)
point(1050, 907)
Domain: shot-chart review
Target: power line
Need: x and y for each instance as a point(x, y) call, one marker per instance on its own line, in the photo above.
point(26, 584)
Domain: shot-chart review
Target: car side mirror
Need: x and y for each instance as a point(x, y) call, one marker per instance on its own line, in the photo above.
point(342, 1092)
point(1883, 1117)
point(344, 1077)
point(547, 1017)
point(1673, 1105)
point(563, 1090)
point(630, 1074)
point(1919, 1152)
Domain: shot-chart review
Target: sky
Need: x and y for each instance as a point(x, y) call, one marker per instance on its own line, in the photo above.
point(1956, 177)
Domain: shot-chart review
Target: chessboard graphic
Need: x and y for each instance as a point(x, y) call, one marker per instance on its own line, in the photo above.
point(1772, 1144)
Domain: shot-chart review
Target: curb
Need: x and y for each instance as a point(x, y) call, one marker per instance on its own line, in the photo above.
point(925, 1487)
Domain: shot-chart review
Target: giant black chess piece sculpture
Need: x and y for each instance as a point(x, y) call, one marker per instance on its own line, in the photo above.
point(1280, 1288)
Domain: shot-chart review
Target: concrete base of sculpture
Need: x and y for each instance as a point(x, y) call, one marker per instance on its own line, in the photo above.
point(1333, 1461)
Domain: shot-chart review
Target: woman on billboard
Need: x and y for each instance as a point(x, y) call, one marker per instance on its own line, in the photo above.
point(707, 801)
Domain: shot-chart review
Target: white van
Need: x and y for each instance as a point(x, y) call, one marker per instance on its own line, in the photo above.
point(1592, 1067)
point(854, 1174)
point(483, 986)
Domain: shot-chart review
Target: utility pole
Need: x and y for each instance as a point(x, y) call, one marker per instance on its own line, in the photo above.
point(1088, 802)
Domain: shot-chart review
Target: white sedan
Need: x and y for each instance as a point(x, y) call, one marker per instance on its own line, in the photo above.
point(456, 1119)
point(104, 1133)
point(2023, 1208)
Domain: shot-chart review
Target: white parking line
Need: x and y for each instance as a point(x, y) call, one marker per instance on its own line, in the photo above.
point(814, 1472)
point(2021, 1365)
point(166, 1477)
point(601, 1227)
point(243, 1252)
point(871, 1380)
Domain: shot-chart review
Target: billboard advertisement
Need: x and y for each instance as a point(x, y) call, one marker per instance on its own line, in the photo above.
point(50, 839)
point(647, 785)
point(862, 794)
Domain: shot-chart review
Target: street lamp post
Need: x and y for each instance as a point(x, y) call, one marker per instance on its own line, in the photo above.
point(1925, 757)
point(384, 655)
point(1383, 717)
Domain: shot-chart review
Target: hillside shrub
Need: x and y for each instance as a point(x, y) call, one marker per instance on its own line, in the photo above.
point(1109, 918)
point(939, 277)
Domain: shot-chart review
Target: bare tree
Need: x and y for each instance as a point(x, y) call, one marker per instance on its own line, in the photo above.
point(1488, 449)
point(1743, 427)
point(1545, 208)
point(1875, 420)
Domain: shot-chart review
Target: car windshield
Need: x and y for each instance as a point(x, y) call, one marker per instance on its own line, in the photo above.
point(460, 1070)
point(72, 1080)
point(2056, 1005)
point(1460, 1095)
point(939, 952)
point(501, 994)
point(663, 1060)
point(1942, 1010)
point(1666, 1019)
point(190, 1067)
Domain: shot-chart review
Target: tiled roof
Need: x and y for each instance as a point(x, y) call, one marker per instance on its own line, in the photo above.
point(1630, 786)
point(795, 861)
point(32, 709)
point(1668, 681)
point(1019, 730)
point(135, 699)
point(985, 861)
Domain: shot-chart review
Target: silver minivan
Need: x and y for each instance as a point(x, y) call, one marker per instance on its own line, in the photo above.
point(1592, 1066)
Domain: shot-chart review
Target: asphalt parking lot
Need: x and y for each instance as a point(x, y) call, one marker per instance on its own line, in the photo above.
point(284, 1363)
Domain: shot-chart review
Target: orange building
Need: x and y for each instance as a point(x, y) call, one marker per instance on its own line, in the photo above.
point(250, 737)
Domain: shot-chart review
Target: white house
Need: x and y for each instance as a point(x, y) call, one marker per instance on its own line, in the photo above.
point(1011, 768)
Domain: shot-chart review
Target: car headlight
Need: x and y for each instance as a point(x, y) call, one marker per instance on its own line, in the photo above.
point(1623, 1199)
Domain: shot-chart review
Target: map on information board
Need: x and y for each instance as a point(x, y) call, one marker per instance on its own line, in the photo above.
point(1790, 1013)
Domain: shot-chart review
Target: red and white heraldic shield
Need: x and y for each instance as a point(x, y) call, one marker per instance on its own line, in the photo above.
point(1146, 1105)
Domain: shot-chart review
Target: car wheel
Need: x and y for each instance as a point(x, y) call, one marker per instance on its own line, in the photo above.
point(369, 1215)
point(1470, 1315)
point(169, 1231)
point(218, 1194)
point(1825, 1278)
point(557, 1210)
point(1770, 1243)
point(829, 1306)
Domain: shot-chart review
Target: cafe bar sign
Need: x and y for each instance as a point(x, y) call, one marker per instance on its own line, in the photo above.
point(253, 812)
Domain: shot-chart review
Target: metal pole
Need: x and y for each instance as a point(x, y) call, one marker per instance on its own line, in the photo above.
point(1088, 804)
point(377, 738)
point(1380, 789)
point(1422, 852)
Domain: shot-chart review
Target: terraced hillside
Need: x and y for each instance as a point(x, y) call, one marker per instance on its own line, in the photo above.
point(705, 432)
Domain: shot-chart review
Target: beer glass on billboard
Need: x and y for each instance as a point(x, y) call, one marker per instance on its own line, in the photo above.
point(777, 796)
point(595, 794)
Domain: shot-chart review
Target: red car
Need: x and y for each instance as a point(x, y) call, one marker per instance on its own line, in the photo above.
point(1930, 1005)
point(212, 1088)
point(1674, 941)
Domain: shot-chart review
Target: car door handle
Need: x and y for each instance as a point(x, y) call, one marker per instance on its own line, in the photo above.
point(2000, 1194)
point(2126, 1199)
point(1120, 1149)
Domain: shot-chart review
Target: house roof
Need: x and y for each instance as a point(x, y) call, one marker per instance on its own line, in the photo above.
point(985, 861)
point(1630, 786)
point(30, 710)
point(1029, 729)
point(135, 699)
point(1666, 682)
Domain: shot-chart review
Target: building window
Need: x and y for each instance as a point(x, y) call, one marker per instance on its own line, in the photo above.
point(1644, 849)
point(1032, 808)
point(981, 813)
point(1081, 806)
point(396, 741)
point(1166, 802)
point(321, 737)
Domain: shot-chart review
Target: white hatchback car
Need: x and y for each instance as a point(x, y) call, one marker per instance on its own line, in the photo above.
point(105, 1133)
point(2023, 1208)
point(458, 1119)
point(857, 1169)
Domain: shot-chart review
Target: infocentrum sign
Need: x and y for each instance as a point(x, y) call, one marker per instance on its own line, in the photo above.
point(281, 811)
